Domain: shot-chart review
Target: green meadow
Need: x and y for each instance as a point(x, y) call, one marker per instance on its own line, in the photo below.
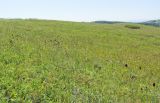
point(69, 62)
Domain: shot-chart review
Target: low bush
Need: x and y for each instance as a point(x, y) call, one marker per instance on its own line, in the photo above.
point(132, 26)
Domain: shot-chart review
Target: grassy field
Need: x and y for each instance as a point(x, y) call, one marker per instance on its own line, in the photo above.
point(67, 62)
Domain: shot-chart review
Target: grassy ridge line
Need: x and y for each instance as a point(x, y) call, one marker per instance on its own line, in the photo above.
point(56, 61)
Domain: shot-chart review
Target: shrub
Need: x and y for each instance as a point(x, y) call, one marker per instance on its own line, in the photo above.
point(132, 26)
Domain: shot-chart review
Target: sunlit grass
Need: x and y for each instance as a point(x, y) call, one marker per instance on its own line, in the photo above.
point(54, 61)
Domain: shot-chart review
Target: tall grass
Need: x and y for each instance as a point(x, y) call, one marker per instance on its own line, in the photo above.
point(67, 62)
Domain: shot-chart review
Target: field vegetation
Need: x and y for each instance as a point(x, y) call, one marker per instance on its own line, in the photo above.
point(67, 62)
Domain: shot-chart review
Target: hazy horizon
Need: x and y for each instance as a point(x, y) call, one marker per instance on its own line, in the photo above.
point(82, 20)
point(81, 10)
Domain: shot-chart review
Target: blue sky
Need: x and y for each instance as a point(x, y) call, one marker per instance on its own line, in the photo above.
point(81, 10)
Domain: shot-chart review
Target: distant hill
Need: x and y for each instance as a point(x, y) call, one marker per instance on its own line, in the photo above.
point(107, 22)
point(152, 22)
